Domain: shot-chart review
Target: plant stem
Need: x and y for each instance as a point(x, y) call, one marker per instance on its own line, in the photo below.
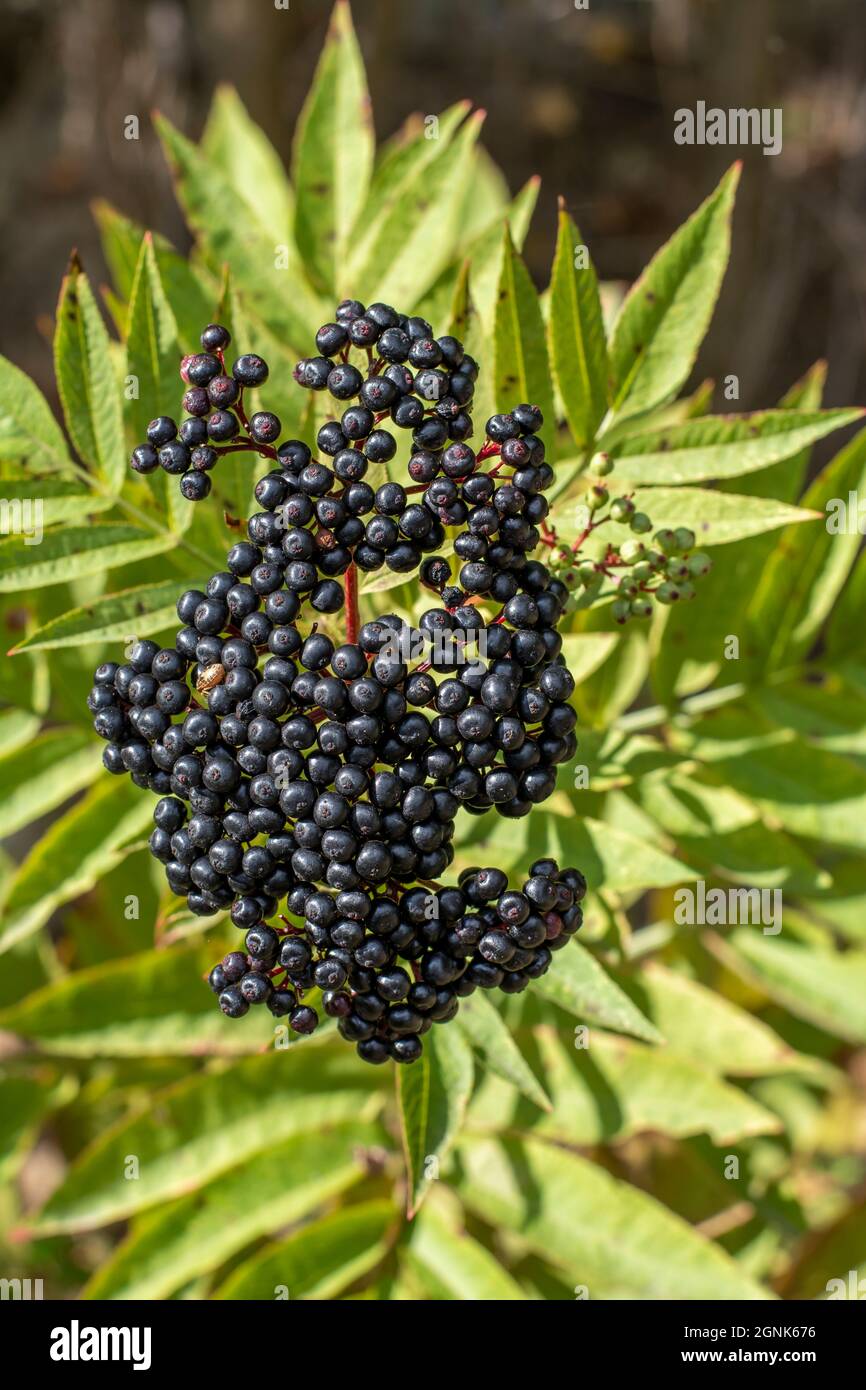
point(352, 618)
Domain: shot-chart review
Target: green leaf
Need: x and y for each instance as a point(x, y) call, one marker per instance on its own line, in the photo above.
point(805, 573)
point(320, 1260)
point(153, 357)
point(168, 1011)
point(521, 369)
point(615, 859)
point(234, 144)
point(577, 983)
point(396, 193)
point(433, 1094)
point(611, 1238)
point(194, 1236)
point(83, 845)
point(823, 986)
point(666, 313)
point(87, 381)
point(584, 652)
point(576, 341)
point(138, 612)
point(28, 430)
point(269, 272)
point(206, 1125)
point(52, 501)
point(333, 152)
point(718, 518)
point(415, 239)
point(43, 774)
point(610, 1089)
point(73, 552)
point(724, 446)
point(17, 728)
point(456, 1263)
point(702, 1024)
point(24, 1102)
point(488, 1033)
point(487, 251)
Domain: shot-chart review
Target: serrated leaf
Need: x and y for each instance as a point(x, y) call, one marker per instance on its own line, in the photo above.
point(205, 1125)
point(575, 335)
point(43, 774)
point(724, 446)
point(488, 1033)
point(397, 188)
point(87, 381)
point(718, 518)
point(270, 273)
point(521, 369)
point(84, 844)
point(804, 576)
point(606, 1090)
point(611, 1238)
point(433, 1094)
point(73, 552)
point(580, 985)
point(51, 501)
point(826, 987)
point(333, 152)
point(318, 1261)
point(663, 318)
point(168, 1011)
point(193, 1236)
point(245, 156)
point(702, 1024)
point(141, 612)
point(486, 253)
point(415, 240)
point(457, 1263)
point(28, 429)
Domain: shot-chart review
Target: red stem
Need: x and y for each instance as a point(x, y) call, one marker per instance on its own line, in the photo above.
point(352, 618)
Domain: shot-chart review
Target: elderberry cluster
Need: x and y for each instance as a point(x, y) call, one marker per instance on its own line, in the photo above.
point(479, 935)
point(215, 416)
point(306, 775)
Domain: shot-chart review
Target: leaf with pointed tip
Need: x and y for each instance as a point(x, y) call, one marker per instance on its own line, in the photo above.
point(521, 369)
point(488, 1033)
point(141, 611)
point(239, 148)
point(433, 1094)
point(319, 1260)
point(71, 552)
point(333, 152)
point(87, 381)
point(581, 986)
point(456, 1262)
point(664, 316)
point(718, 518)
point(575, 335)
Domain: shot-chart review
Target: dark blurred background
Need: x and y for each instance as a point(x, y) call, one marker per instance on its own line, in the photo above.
point(584, 97)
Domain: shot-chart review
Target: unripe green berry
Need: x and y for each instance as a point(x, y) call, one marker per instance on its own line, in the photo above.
point(685, 538)
point(666, 540)
point(642, 572)
point(601, 465)
point(640, 523)
point(656, 560)
point(596, 497)
point(588, 574)
point(621, 610)
point(621, 509)
point(632, 551)
point(667, 593)
point(687, 590)
point(677, 569)
point(641, 607)
point(627, 588)
point(699, 564)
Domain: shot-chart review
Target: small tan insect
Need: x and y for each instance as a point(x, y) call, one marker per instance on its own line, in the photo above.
point(210, 676)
